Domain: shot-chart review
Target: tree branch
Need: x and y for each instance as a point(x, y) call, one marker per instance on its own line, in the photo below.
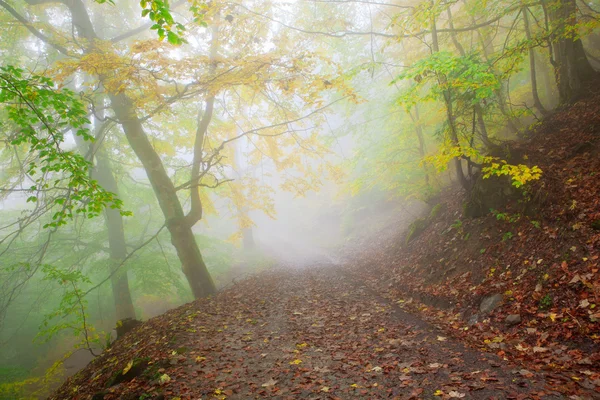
point(33, 30)
point(140, 28)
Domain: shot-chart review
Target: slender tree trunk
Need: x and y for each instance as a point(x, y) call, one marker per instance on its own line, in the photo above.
point(116, 241)
point(532, 73)
point(487, 46)
point(449, 111)
point(248, 238)
point(204, 119)
point(103, 173)
point(247, 232)
point(182, 237)
point(119, 280)
point(421, 138)
point(477, 107)
point(453, 36)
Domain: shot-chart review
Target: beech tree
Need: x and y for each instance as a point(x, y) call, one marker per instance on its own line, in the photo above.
point(99, 60)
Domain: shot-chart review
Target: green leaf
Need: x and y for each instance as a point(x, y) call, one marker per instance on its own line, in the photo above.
point(173, 38)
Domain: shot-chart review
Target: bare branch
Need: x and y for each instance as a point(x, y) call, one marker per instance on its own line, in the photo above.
point(31, 29)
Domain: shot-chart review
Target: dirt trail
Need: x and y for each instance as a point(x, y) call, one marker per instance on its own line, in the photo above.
point(303, 333)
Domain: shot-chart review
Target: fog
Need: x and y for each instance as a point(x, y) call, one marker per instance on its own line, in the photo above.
point(151, 156)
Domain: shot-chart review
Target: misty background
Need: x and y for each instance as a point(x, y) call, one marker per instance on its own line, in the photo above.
point(266, 134)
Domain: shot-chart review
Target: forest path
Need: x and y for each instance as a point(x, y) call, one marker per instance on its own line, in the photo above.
point(315, 333)
point(297, 333)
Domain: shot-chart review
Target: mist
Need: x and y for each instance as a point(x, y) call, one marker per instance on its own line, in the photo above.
point(154, 154)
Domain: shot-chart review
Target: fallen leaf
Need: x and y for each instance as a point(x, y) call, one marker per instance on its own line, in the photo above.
point(520, 347)
point(164, 378)
point(128, 367)
point(526, 373)
point(269, 383)
point(538, 287)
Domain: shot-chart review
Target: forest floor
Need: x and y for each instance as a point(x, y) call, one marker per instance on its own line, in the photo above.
point(402, 321)
point(298, 333)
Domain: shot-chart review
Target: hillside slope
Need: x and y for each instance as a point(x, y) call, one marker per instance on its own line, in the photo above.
point(536, 262)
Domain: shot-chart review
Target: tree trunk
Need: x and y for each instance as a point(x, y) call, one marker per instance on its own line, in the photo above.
point(194, 268)
point(548, 84)
point(449, 111)
point(571, 66)
point(532, 73)
point(248, 238)
point(116, 241)
point(119, 280)
point(421, 138)
point(182, 237)
point(487, 46)
point(477, 107)
point(204, 120)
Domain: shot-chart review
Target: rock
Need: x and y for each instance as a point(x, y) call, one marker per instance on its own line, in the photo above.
point(513, 319)
point(138, 366)
point(435, 211)
point(417, 227)
point(491, 193)
point(490, 303)
point(473, 320)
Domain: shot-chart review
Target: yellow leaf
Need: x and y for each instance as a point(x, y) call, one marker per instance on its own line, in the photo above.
point(164, 378)
point(296, 362)
point(438, 393)
point(128, 367)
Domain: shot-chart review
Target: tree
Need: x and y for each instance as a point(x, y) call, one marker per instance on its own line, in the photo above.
point(101, 61)
point(117, 242)
point(571, 66)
